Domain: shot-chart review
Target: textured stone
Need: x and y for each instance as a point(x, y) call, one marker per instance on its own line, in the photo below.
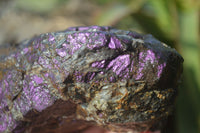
point(118, 78)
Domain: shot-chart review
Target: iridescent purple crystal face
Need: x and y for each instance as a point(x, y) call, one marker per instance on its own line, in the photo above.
point(116, 77)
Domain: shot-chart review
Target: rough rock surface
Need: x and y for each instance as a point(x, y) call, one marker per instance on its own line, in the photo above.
point(117, 78)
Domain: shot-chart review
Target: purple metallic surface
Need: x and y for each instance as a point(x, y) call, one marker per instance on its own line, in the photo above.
point(35, 75)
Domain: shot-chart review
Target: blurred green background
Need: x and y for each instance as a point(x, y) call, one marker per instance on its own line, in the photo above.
point(175, 22)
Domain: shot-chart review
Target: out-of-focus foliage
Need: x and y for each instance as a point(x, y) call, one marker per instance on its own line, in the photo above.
point(177, 23)
point(42, 5)
point(39, 6)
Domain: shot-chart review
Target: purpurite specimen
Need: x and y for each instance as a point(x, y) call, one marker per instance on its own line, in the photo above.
point(116, 77)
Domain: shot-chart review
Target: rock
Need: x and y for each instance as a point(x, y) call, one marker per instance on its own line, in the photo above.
point(116, 78)
point(58, 118)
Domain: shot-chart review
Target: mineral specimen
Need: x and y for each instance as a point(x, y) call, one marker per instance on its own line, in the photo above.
point(118, 78)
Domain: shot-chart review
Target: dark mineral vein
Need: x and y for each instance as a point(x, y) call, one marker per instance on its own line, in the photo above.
point(117, 77)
